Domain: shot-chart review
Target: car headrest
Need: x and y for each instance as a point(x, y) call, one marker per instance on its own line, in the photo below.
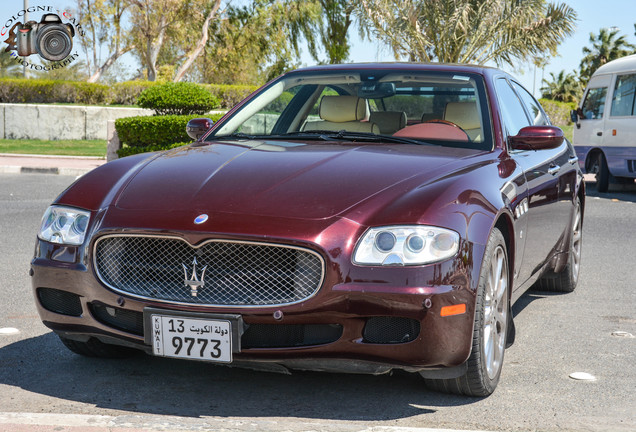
point(339, 109)
point(388, 121)
point(463, 114)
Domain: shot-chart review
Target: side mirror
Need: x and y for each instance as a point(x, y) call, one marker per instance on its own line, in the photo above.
point(197, 127)
point(537, 138)
point(574, 116)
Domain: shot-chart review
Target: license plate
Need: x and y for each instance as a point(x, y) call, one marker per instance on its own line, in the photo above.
point(192, 338)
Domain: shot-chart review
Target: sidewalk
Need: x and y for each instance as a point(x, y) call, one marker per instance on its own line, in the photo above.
point(62, 165)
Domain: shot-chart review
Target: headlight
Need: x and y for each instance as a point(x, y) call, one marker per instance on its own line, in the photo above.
point(406, 245)
point(64, 225)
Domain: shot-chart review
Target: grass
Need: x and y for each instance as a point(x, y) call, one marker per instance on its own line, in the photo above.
point(567, 131)
point(57, 147)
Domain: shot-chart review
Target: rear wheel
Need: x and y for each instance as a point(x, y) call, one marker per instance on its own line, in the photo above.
point(96, 348)
point(491, 326)
point(566, 280)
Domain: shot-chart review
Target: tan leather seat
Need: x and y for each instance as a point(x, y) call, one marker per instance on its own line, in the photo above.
point(389, 122)
point(343, 113)
point(466, 116)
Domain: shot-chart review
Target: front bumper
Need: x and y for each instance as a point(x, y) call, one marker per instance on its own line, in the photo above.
point(362, 319)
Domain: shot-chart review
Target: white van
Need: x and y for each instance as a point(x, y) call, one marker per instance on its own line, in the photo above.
point(605, 139)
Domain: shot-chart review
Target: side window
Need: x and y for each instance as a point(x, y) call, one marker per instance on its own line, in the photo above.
point(594, 103)
point(264, 121)
point(512, 113)
point(623, 98)
point(533, 107)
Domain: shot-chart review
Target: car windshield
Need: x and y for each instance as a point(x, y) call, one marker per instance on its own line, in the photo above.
point(430, 108)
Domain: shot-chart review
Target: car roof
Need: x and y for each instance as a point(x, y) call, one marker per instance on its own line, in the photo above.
point(623, 64)
point(407, 66)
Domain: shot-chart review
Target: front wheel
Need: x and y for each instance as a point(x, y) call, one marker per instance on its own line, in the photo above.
point(602, 174)
point(490, 329)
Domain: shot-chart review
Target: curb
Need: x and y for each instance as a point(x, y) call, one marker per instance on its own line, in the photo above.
point(13, 163)
point(76, 172)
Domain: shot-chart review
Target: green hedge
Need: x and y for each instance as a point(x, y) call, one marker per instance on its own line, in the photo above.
point(182, 98)
point(145, 131)
point(14, 90)
point(20, 90)
point(126, 93)
point(559, 112)
point(129, 151)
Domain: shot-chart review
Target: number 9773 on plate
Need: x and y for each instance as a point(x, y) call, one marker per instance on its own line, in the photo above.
point(192, 338)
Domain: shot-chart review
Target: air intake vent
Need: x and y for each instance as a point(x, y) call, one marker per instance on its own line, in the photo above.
point(61, 302)
point(631, 166)
point(121, 319)
point(292, 335)
point(390, 330)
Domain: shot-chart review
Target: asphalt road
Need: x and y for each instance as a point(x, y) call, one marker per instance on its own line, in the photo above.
point(42, 383)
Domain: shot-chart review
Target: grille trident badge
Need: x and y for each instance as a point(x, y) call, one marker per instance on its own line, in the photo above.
point(195, 281)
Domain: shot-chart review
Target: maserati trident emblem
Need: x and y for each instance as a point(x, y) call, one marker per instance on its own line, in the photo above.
point(200, 219)
point(194, 281)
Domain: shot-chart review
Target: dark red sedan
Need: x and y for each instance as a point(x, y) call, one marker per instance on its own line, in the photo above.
point(351, 218)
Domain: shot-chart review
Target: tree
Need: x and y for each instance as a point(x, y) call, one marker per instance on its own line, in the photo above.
point(196, 51)
point(469, 31)
point(562, 87)
point(607, 46)
point(151, 20)
point(255, 42)
point(332, 28)
point(103, 23)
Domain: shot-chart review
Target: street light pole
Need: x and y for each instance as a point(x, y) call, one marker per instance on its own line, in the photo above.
point(25, 74)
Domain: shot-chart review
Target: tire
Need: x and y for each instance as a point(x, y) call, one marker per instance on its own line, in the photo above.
point(566, 280)
point(491, 326)
point(599, 168)
point(95, 348)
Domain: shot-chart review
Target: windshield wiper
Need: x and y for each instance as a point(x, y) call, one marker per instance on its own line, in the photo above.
point(328, 136)
point(239, 135)
point(366, 136)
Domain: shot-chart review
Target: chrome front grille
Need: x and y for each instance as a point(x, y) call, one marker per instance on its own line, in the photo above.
point(217, 272)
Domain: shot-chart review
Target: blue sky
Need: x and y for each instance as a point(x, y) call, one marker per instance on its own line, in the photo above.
point(592, 16)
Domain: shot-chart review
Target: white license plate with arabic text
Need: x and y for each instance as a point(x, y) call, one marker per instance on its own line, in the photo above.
point(192, 338)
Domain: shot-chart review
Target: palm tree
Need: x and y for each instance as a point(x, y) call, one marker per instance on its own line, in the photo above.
point(469, 31)
point(562, 87)
point(607, 46)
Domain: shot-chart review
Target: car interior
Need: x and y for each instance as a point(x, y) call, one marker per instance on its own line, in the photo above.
point(442, 110)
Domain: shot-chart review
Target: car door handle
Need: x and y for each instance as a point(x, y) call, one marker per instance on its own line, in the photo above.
point(554, 169)
point(573, 160)
point(599, 133)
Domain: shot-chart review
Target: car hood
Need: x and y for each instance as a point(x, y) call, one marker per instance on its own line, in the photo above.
point(280, 179)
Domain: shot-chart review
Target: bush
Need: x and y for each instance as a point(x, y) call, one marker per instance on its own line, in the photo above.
point(129, 151)
point(144, 131)
point(14, 90)
point(559, 112)
point(182, 98)
point(126, 93)
point(82, 92)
